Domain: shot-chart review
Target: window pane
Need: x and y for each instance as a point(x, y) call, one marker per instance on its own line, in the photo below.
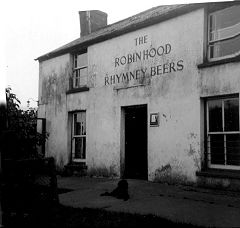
point(217, 149)
point(231, 115)
point(75, 61)
point(80, 71)
point(82, 60)
point(213, 51)
point(223, 48)
point(225, 33)
point(212, 19)
point(83, 76)
point(80, 148)
point(80, 123)
point(76, 82)
point(76, 79)
point(75, 124)
point(227, 17)
point(80, 77)
point(233, 149)
point(215, 115)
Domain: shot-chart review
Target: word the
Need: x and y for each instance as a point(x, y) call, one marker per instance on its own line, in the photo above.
point(140, 40)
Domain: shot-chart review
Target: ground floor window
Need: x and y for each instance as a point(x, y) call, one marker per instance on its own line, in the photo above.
point(223, 135)
point(79, 136)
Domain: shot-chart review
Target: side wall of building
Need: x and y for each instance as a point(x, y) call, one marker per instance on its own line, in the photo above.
point(53, 84)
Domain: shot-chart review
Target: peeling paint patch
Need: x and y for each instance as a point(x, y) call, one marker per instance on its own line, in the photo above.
point(194, 150)
point(54, 86)
point(191, 151)
point(193, 135)
point(49, 88)
point(170, 177)
point(92, 76)
point(166, 174)
point(174, 172)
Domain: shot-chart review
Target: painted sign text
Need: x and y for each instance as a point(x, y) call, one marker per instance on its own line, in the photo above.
point(163, 50)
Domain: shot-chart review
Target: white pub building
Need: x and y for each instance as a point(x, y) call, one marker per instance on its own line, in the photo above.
point(154, 96)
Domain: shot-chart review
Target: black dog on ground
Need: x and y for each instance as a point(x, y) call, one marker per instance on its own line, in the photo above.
point(121, 192)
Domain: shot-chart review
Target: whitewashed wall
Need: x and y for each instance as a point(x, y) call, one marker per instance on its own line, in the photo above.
point(175, 147)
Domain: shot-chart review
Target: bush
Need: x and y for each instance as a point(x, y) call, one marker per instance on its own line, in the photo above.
point(21, 137)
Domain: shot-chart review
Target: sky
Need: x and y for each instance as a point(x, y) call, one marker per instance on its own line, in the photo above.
point(32, 28)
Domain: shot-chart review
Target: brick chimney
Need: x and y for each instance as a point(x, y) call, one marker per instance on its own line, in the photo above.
point(91, 21)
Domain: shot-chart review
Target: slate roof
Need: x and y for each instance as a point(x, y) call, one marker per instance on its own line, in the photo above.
point(140, 20)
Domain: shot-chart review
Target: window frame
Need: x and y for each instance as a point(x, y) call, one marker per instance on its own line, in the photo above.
point(74, 137)
point(219, 40)
point(223, 132)
point(77, 69)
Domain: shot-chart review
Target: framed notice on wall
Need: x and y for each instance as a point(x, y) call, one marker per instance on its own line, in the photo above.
point(154, 119)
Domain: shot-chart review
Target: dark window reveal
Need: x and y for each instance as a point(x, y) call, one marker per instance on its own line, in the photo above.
point(215, 115)
point(223, 133)
point(231, 116)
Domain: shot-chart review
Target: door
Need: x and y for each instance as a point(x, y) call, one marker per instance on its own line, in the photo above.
point(136, 142)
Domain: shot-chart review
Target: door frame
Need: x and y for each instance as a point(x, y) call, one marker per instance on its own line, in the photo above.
point(122, 136)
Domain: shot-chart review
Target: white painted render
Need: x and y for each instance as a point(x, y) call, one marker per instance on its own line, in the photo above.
point(178, 141)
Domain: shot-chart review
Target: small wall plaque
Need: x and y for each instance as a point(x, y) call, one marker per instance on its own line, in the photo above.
point(154, 119)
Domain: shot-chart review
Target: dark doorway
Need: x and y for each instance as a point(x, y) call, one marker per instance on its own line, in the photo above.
point(136, 142)
point(41, 128)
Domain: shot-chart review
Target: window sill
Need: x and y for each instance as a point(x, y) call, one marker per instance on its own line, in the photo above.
point(219, 173)
point(219, 62)
point(78, 90)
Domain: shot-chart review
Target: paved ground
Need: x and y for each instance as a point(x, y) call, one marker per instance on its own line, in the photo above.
point(198, 206)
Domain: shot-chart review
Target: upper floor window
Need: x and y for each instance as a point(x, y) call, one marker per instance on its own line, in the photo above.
point(80, 70)
point(224, 33)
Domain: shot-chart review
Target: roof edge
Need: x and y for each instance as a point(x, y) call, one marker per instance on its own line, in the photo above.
point(186, 8)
